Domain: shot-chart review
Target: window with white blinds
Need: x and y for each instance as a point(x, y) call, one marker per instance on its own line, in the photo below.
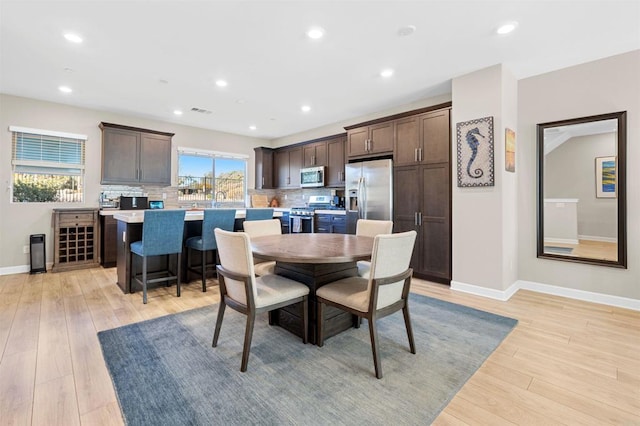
point(48, 166)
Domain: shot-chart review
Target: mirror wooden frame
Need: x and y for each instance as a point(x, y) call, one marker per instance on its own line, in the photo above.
point(621, 184)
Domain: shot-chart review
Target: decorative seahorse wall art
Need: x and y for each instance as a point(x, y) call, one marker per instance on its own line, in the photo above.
point(475, 152)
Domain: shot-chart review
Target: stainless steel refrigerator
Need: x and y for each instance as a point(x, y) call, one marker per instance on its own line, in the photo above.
point(369, 188)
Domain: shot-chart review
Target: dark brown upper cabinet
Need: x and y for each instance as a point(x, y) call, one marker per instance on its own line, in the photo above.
point(287, 165)
point(419, 138)
point(133, 156)
point(370, 141)
point(264, 167)
point(334, 175)
point(315, 154)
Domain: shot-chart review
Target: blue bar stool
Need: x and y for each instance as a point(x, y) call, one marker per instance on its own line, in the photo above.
point(162, 232)
point(213, 218)
point(259, 214)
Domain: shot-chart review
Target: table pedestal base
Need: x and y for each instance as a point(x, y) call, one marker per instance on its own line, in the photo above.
point(314, 276)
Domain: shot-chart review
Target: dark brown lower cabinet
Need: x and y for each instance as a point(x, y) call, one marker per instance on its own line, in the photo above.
point(108, 241)
point(422, 201)
point(330, 224)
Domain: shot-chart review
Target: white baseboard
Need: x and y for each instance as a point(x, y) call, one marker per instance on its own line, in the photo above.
point(548, 241)
point(600, 239)
point(587, 296)
point(490, 293)
point(20, 269)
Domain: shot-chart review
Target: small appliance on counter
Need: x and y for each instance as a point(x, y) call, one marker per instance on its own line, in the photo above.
point(134, 203)
point(156, 204)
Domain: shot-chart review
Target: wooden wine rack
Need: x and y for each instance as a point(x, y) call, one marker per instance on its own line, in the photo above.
point(76, 239)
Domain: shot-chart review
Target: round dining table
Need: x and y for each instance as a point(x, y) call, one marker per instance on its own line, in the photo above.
point(314, 260)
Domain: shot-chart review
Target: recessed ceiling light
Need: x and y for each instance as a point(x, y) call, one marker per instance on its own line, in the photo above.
point(65, 89)
point(386, 73)
point(305, 108)
point(252, 127)
point(405, 31)
point(507, 28)
point(315, 33)
point(73, 38)
point(177, 112)
point(221, 83)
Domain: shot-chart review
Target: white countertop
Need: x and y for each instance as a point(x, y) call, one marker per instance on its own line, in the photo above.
point(137, 216)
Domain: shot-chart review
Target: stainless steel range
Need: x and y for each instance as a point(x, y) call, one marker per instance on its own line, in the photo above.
point(301, 219)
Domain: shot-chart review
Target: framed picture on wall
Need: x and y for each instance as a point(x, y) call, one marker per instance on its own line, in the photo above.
point(509, 150)
point(605, 177)
point(475, 152)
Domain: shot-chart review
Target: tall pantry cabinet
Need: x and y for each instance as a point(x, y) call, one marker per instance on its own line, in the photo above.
point(422, 195)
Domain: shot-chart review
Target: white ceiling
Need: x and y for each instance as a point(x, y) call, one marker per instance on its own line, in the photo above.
point(148, 58)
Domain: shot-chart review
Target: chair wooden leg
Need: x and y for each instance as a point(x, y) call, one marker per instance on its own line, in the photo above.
point(320, 324)
point(216, 333)
point(144, 279)
point(204, 271)
point(407, 323)
point(248, 333)
point(373, 332)
point(178, 273)
point(305, 320)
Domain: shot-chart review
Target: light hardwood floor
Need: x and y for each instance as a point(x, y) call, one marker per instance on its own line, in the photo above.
point(566, 362)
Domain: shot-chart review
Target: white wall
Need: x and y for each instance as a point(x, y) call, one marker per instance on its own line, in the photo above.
point(337, 128)
point(484, 218)
point(570, 173)
point(18, 221)
point(607, 85)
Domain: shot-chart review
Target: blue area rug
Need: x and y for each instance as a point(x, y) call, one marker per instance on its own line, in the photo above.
point(165, 371)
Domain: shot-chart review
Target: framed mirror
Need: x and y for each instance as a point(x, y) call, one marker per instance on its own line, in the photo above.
point(582, 190)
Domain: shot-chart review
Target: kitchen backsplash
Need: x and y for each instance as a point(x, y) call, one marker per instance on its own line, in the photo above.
point(285, 197)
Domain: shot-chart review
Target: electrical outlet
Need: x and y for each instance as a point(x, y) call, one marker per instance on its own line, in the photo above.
point(285, 196)
point(25, 249)
point(164, 195)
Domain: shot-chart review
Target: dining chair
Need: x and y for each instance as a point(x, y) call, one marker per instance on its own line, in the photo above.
point(260, 228)
point(162, 232)
point(212, 219)
point(259, 214)
point(248, 294)
point(370, 228)
point(383, 293)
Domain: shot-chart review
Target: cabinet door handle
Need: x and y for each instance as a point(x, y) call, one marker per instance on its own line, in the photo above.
point(415, 218)
point(262, 180)
point(415, 155)
point(420, 218)
point(369, 144)
point(420, 156)
point(365, 144)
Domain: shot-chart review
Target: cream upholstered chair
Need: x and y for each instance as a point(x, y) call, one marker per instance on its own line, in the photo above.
point(370, 228)
point(260, 228)
point(384, 292)
point(244, 292)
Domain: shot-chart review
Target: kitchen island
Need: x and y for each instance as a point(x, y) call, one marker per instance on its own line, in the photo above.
point(129, 230)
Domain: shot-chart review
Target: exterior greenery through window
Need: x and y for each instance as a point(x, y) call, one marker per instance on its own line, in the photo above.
point(48, 166)
point(212, 179)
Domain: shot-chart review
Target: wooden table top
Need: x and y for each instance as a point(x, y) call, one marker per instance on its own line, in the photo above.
point(312, 248)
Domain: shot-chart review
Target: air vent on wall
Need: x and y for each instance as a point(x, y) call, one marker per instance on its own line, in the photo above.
point(201, 111)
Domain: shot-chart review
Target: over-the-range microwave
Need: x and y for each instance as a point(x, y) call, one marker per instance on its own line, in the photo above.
point(312, 177)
